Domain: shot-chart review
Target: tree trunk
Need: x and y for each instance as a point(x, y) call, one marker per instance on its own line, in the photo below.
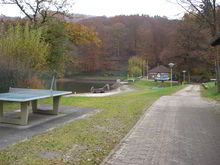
point(217, 71)
point(189, 78)
point(217, 76)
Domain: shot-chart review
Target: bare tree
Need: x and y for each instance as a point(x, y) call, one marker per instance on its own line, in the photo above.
point(206, 12)
point(40, 9)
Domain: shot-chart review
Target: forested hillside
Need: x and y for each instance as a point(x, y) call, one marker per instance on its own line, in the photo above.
point(105, 44)
point(157, 40)
point(126, 36)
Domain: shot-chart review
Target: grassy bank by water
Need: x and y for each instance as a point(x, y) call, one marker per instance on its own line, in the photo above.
point(211, 91)
point(86, 141)
point(153, 84)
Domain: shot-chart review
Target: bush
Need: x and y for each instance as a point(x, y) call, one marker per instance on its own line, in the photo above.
point(23, 47)
point(135, 65)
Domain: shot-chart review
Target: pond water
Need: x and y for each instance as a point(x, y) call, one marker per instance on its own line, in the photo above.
point(78, 87)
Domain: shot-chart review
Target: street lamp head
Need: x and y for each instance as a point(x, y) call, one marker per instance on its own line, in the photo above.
point(171, 65)
point(184, 71)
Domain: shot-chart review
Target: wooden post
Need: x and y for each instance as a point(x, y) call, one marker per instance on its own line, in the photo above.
point(1, 109)
point(217, 70)
point(147, 69)
point(171, 77)
point(218, 76)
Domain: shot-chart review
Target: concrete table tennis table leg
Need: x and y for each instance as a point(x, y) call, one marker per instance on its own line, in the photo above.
point(54, 111)
point(23, 120)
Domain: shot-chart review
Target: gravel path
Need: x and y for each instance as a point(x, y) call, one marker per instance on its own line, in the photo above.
point(182, 129)
point(122, 89)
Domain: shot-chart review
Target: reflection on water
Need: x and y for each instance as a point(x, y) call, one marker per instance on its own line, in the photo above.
point(78, 87)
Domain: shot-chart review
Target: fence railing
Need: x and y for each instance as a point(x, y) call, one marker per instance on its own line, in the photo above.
point(25, 79)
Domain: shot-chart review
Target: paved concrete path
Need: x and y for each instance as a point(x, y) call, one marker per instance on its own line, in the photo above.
point(182, 129)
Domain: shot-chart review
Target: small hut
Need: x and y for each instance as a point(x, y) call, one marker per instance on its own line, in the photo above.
point(160, 71)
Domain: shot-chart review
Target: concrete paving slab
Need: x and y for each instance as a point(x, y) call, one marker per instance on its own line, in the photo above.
point(182, 129)
point(39, 123)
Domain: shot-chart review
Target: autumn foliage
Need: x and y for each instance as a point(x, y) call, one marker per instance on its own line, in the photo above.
point(81, 34)
point(101, 43)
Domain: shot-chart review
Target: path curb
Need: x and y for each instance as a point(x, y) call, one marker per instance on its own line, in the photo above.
point(117, 147)
point(129, 133)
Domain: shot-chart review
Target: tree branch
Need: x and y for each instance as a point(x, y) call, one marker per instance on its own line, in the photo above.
point(32, 8)
point(23, 10)
point(191, 3)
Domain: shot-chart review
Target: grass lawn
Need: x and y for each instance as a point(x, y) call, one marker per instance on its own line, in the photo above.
point(100, 77)
point(89, 140)
point(151, 84)
point(211, 92)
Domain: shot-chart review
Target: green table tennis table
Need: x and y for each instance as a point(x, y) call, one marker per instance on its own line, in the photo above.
point(24, 97)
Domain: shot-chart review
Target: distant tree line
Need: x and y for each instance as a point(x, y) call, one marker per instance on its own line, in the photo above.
point(39, 42)
point(101, 43)
point(157, 40)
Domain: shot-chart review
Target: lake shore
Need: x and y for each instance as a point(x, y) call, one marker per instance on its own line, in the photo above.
point(121, 89)
point(88, 79)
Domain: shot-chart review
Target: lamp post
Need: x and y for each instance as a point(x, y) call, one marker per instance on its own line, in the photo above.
point(171, 66)
point(147, 69)
point(184, 76)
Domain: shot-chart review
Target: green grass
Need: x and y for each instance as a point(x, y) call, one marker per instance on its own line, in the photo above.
point(101, 77)
point(150, 84)
point(86, 141)
point(11, 107)
point(210, 84)
point(211, 92)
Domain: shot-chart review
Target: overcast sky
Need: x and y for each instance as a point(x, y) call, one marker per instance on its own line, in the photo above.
point(115, 7)
point(127, 7)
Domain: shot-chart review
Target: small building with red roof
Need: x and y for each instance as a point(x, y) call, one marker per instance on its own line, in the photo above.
point(159, 71)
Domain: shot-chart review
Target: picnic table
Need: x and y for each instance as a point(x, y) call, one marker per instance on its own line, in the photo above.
point(24, 97)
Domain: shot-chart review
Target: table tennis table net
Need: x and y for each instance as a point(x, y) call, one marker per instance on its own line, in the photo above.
point(33, 91)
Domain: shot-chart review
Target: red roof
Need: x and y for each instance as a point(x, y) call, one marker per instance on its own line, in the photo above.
point(159, 69)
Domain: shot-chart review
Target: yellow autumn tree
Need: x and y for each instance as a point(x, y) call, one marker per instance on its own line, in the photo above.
point(23, 47)
point(81, 34)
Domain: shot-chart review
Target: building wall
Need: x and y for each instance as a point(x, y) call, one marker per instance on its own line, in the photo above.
point(154, 75)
